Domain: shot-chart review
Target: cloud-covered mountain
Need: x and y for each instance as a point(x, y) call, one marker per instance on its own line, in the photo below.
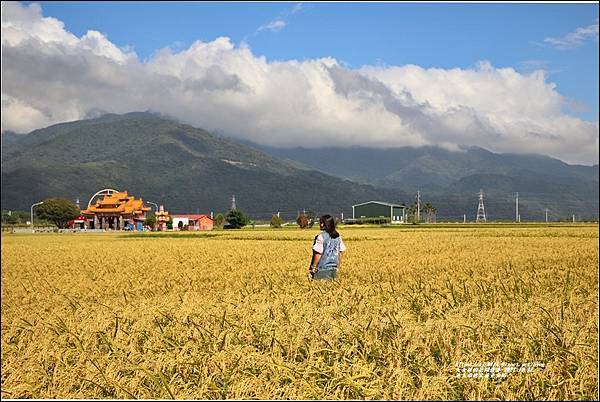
point(163, 161)
point(51, 75)
point(187, 168)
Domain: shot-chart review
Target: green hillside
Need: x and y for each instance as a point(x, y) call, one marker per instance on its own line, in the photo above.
point(188, 169)
point(452, 179)
point(185, 168)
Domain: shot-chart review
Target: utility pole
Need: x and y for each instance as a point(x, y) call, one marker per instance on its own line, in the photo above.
point(517, 217)
point(464, 218)
point(573, 218)
point(342, 216)
point(418, 206)
point(546, 215)
point(233, 206)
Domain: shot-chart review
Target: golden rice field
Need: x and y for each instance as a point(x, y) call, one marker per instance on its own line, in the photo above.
point(232, 314)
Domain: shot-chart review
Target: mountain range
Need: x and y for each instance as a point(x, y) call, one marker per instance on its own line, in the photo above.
point(452, 179)
point(189, 169)
point(185, 168)
point(426, 168)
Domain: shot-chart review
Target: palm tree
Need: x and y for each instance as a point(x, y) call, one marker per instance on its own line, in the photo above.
point(412, 213)
point(429, 211)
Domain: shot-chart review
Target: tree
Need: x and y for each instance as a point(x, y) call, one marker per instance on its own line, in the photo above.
point(180, 225)
point(151, 221)
point(236, 219)
point(9, 218)
point(219, 220)
point(58, 211)
point(276, 221)
point(429, 211)
point(310, 215)
point(15, 217)
point(412, 213)
point(302, 221)
point(170, 223)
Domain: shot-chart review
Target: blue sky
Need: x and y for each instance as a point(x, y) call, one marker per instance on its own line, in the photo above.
point(429, 35)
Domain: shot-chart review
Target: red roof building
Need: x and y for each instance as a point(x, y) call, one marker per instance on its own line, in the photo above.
point(192, 222)
point(77, 223)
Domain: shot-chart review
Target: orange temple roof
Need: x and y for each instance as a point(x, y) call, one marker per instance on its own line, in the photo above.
point(118, 203)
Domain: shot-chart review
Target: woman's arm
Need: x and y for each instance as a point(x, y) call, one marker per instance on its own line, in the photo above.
point(315, 261)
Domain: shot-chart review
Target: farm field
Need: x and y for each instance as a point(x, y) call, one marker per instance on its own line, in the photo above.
point(232, 314)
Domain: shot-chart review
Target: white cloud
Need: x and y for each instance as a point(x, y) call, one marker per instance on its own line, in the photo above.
point(297, 7)
point(21, 117)
point(533, 65)
point(51, 76)
point(273, 26)
point(280, 22)
point(574, 39)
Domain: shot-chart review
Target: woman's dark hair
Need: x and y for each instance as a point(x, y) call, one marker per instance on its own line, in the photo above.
point(328, 223)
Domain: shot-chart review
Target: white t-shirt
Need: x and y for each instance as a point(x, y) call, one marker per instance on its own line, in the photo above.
point(318, 246)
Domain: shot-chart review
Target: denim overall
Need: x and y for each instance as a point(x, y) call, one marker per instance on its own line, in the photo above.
point(327, 266)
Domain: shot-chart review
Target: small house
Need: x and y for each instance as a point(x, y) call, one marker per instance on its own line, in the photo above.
point(192, 222)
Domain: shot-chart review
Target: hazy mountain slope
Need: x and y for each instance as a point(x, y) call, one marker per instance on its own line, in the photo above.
point(442, 175)
point(425, 165)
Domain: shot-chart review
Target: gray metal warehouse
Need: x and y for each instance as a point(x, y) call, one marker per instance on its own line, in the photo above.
point(379, 209)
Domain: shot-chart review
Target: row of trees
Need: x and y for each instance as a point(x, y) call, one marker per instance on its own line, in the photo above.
point(15, 217)
point(237, 219)
point(55, 211)
point(427, 213)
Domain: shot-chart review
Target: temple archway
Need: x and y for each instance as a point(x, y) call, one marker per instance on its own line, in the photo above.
point(106, 191)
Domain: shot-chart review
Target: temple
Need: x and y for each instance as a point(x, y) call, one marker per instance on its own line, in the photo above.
point(116, 211)
point(162, 217)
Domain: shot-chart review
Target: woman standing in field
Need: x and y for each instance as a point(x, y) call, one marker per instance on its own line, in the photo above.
point(327, 250)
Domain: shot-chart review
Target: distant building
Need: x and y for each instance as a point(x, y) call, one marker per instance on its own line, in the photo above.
point(378, 209)
point(192, 222)
point(116, 211)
